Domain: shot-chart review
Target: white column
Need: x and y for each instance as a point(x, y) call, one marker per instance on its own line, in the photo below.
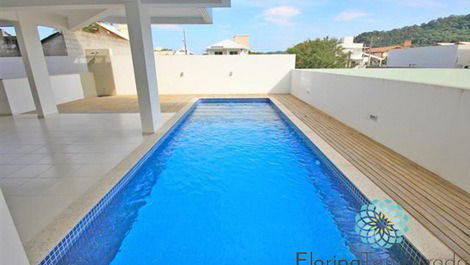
point(5, 108)
point(11, 248)
point(140, 36)
point(35, 65)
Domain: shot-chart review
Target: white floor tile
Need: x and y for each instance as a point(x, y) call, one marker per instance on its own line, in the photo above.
point(45, 165)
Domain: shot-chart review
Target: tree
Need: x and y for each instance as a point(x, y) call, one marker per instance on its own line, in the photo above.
point(448, 29)
point(92, 28)
point(319, 53)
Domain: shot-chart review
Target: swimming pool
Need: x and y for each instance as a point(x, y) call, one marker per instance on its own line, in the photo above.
point(233, 183)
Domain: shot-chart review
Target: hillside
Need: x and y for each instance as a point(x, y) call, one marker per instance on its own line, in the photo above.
point(448, 29)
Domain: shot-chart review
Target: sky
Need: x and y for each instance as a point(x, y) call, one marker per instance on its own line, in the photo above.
point(279, 24)
point(275, 25)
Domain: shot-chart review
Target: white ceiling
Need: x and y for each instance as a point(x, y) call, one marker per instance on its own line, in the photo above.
point(74, 14)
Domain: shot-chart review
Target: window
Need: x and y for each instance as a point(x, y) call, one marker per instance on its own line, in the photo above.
point(218, 53)
point(233, 53)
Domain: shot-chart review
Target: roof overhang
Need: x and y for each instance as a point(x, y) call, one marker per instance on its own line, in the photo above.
point(105, 3)
point(75, 14)
point(159, 15)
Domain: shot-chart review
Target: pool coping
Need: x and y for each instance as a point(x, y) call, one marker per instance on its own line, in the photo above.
point(41, 245)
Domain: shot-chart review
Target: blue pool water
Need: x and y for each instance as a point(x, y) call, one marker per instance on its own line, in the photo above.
point(233, 184)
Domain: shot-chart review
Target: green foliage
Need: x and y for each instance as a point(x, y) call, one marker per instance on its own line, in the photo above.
point(319, 53)
point(449, 29)
point(92, 28)
point(275, 52)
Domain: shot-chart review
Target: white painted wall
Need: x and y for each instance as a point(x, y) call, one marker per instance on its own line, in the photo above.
point(463, 56)
point(424, 57)
point(18, 94)
point(4, 104)
point(459, 78)
point(11, 248)
point(203, 74)
point(65, 88)
point(123, 71)
point(221, 74)
point(254, 74)
point(13, 67)
point(428, 124)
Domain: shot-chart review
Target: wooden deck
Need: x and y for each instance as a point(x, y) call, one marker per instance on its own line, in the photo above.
point(120, 104)
point(440, 206)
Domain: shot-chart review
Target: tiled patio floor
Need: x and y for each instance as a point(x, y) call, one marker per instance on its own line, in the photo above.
point(45, 165)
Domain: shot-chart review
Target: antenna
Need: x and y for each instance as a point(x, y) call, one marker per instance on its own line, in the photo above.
point(184, 42)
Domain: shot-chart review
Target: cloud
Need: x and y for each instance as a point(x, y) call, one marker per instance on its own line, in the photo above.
point(281, 15)
point(350, 15)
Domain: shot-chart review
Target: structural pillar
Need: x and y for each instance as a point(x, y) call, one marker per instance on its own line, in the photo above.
point(35, 65)
point(12, 251)
point(140, 37)
point(5, 108)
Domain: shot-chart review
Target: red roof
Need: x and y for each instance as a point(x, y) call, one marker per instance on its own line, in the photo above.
point(384, 49)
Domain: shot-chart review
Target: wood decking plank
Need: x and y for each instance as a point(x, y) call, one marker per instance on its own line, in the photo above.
point(444, 212)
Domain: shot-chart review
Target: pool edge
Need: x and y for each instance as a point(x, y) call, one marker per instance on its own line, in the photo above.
point(38, 248)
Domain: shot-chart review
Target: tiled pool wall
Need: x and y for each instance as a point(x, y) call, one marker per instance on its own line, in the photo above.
point(72, 237)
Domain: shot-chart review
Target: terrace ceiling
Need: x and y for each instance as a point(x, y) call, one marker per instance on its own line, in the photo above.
point(75, 14)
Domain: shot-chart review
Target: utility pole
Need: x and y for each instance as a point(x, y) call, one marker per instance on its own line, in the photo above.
point(371, 43)
point(184, 42)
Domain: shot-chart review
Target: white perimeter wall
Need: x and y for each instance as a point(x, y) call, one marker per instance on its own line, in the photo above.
point(11, 248)
point(65, 88)
point(13, 67)
point(424, 57)
point(463, 55)
point(428, 124)
point(204, 74)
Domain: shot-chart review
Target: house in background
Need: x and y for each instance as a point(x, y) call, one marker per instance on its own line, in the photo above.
point(242, 39)
point(54, 45)
point(8, 45)
point(181, 51)
point(382, 52)
point(103, 47)
point(240, 45)
point(453, 43)
point(3, 33)
point(163, 51)
point(355, 51)
point(184, 51)
point(95, 36)
point(440, 56)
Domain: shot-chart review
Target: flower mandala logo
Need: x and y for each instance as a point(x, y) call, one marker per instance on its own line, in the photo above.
point(381, 223)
